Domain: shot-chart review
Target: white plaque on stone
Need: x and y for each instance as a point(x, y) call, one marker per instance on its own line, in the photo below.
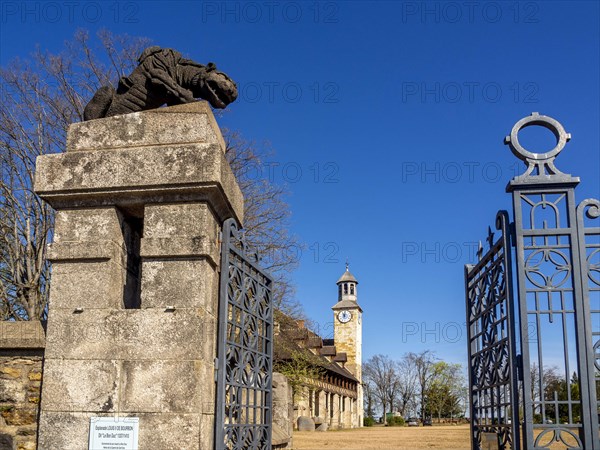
point(114, 433)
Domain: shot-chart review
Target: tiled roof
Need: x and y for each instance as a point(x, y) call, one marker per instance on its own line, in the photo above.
point(293, 337)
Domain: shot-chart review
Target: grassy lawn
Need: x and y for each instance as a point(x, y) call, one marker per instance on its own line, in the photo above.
point(446, 437)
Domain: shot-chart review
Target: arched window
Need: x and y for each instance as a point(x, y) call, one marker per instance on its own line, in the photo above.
point(352, 289)
point(345, 288)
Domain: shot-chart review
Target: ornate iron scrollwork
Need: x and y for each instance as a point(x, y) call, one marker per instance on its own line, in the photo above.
point(245, 348)
point(491, 342)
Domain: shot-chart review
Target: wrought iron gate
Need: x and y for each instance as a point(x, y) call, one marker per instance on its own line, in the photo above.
point(491, 341)
point(245, 347)
point(557, 260)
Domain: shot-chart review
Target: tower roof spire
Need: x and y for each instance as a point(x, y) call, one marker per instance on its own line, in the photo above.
point(347, 276)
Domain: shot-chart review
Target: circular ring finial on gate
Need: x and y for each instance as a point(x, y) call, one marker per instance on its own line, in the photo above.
point(543, 162)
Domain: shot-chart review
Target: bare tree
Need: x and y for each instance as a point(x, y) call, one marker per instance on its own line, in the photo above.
point(369, 396)
point(544, 382)
point(424, 367)
point(380, 373)
point(407, 374)
point(266, 216)
point(40, 98)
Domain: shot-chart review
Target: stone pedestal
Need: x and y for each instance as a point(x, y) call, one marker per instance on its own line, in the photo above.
point(132, 323)
point(283, 411)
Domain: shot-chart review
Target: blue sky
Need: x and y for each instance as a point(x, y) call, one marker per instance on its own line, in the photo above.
point(387, 119)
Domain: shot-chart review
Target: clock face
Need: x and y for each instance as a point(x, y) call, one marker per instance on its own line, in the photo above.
point(344, 316)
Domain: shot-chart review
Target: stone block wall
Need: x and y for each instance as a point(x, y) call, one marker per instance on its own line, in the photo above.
point(21, 357)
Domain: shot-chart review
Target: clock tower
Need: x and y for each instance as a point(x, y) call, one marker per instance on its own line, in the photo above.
point(347, 334)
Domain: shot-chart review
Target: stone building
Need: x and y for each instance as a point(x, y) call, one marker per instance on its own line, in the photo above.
point(328, 391)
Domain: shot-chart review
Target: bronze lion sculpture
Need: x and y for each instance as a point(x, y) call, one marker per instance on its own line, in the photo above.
point(163, 76)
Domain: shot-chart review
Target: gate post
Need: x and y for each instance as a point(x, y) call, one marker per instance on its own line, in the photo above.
point(559, 386)
point(132, 324)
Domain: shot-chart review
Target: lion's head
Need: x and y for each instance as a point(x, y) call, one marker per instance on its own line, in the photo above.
point(214, 86)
